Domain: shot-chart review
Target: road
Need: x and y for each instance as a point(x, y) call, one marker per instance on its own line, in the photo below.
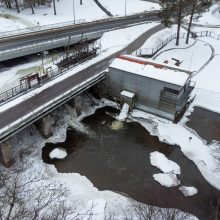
point(11, 42)
point(20, 110)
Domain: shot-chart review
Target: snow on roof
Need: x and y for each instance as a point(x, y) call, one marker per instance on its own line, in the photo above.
point(128, 94)
point(151, 69)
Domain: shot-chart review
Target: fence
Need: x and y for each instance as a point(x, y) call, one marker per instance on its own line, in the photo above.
point(20, 90)
point(40, 28)
point(152, 51)
point(206, 34)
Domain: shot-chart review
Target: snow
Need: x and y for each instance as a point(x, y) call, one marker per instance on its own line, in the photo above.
point(58, 153)
point(194, 149)
point(188, 190)
point(88, 11)
point(188, 54)
point(163, 74)
point(211, 17)
point(127, 94)
point(166, 179)
point(124, 112)
point(160, 161)
point(117, 7)
point(10, 24)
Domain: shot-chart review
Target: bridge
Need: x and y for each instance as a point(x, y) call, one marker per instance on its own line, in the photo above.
point(28, 41)
point(20, 112)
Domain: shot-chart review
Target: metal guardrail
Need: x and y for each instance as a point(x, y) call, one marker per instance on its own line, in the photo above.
point(39, 28)
point(20, 90)
point(206, 34)
point(152, 51)
point(61, 25)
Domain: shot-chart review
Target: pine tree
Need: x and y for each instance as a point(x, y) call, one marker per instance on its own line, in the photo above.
point(172, 12)
point(196, 7)
point(54, 7)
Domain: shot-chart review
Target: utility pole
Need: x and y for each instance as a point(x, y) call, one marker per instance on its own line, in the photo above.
point(74, 16)
point(125, 7)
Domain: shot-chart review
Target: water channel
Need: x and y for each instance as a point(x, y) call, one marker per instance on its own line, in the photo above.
point(116, 157)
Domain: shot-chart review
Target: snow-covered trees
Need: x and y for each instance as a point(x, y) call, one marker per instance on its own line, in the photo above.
point(18, 4)
point(196, 7)
point(173, 12)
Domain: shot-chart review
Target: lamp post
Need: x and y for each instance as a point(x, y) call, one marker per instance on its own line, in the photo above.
point(74, 16)
point(125, 7)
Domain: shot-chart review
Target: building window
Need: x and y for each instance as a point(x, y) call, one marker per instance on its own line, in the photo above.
point(173, 91)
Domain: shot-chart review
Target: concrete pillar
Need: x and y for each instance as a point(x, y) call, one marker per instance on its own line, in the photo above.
point(78, 105)
point(44, 125)
point(6, 153)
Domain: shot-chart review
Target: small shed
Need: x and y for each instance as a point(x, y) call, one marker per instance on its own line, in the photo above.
point(127, 97)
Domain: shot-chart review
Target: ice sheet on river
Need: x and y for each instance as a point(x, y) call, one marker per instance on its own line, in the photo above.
point(160, 161)
point(166, 179)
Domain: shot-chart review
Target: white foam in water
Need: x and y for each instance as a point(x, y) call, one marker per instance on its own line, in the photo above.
point(124, 112)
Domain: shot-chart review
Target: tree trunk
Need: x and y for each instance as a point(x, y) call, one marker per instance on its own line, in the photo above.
point(32, 8)
point(54, 7)
point(190, 21)
point(81, 2)
point(179, 18)
point(17, 6)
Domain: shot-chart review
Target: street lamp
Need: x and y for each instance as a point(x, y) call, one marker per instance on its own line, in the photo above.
point(74, 15)
point(125, 7)
point(43, 54)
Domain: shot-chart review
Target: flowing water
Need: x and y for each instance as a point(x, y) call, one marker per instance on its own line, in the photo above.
point(116, 157)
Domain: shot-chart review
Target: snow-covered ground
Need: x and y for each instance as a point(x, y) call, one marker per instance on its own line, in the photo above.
point(88, 11)
point(187, 54)
point(120, 7)
point(211, 17)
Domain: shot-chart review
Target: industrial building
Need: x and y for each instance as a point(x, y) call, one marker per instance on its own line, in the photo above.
point(157, 88)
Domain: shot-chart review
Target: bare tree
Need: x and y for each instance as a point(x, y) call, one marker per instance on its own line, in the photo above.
point(215, 210)
point(26, 196)
point(141, 211)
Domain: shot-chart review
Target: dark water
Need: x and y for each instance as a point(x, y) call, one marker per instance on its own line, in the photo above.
point(206, 123)
point(118, 160)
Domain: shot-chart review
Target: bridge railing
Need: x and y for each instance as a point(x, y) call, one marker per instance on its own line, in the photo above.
point(62, 24)
point(20, 90)
point(39, 28)
point(206, 34)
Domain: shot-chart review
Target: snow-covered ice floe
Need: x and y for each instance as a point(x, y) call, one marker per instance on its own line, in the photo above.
point(58, 153)
point(188, 190)
point(194, 149)
point(167, 179)
point(160, 161)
